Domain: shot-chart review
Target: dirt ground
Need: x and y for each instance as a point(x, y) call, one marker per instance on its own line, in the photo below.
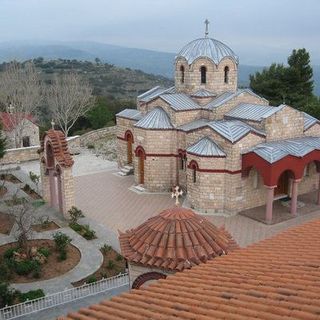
point(6, 223)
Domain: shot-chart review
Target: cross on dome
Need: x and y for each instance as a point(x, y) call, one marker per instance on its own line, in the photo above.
point(206, 22)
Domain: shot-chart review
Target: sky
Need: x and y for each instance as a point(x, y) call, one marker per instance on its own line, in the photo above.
point(259, 31)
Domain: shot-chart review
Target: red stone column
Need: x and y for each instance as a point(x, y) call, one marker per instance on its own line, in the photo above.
point(269, 204)
point(318, 198)
point(294, 197)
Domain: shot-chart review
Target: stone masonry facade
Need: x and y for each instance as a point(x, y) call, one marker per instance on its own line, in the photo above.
point(200, 105)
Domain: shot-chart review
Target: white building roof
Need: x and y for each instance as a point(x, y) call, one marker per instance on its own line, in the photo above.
point(132, 114)
point(206, 147)
point(157, 118)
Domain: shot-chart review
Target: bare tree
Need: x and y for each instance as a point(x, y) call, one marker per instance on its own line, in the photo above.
point(24, 218)
point(69, 97)
point(20, 92)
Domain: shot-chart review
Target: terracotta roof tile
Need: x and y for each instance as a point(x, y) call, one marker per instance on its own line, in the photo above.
point(278, 279)
point(175, 239)
point(59, 146)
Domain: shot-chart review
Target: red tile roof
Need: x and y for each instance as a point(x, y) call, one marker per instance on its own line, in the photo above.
point(59, 146)
point(276, 279)
point(175, 239)
point(9, 121)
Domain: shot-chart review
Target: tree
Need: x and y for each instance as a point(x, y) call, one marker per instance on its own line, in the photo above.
point(21, 93)
point(100, 114)
point(69, 97)
point(291, 84)
point(2, 143)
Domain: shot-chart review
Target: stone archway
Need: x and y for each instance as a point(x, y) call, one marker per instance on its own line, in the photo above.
point(141, 155)
point(149, 276)
point(130, 141)
point(56, 171)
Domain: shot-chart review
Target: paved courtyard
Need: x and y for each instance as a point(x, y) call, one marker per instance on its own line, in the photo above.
point(106, 198)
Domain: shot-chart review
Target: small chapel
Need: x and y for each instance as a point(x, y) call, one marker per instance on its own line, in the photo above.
point(227, 148)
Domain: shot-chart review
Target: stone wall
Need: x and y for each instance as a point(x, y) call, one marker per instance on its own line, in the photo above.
point(19, 155)
point(94, 135)
point(284, 124)
point(313, 131)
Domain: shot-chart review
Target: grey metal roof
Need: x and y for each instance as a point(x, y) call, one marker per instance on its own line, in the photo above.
point(206, 147)
point(130, 114)
point(233, 130)
point(254, 112)
point(154, 93)
point(226, 96)
point(180, 101)
point(208, 48)
point(203, 93)
point(309, 121)
point(195, 124)
point(157, 118)
point(276, 150)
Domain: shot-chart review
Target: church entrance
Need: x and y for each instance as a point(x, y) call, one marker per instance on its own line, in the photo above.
point(129, 149)
point(282, 188)
point(141, 169)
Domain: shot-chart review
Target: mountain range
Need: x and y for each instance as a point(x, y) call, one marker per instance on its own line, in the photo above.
point(149, 61)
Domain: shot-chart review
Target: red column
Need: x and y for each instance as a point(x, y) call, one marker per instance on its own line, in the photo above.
point(269, 205)
point(294, 197)
point(318, 199)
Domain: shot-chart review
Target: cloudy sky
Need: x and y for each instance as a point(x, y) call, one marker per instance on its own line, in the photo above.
point(259, 31)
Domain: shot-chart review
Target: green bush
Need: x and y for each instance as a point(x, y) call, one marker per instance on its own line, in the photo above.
point(7, 295)
point(61, 241)
point(75, 226)
point(105, 248)
point(91, 279)
point(88, 233)
point(23, 268)
point(75, 214)
point(5, 272)
point(31, 295)
point(110, 265)
point(8, 254)
point(44, 251)
point(119, 257)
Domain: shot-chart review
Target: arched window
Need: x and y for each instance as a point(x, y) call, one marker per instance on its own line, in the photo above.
point(226, 74)
point(203, 71)
point(182, 74)
point(183, 161)
point(194, 174)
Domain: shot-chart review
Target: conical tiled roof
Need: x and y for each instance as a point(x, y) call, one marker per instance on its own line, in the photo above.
point(155, 119)
point(176, 239)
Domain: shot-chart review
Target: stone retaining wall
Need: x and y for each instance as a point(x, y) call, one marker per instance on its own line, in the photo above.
point(94, 135)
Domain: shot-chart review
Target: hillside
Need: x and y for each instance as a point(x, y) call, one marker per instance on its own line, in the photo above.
point(148, 61)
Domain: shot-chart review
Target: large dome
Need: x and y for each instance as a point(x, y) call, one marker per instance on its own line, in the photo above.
point(175, 239)
point(208, 48)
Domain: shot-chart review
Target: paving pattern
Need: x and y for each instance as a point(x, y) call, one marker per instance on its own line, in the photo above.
point(107, 199)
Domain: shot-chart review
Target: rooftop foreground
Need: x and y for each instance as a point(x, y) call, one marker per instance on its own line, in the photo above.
point(278, 278)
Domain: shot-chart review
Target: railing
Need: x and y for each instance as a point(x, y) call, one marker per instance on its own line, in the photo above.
point(68, 295)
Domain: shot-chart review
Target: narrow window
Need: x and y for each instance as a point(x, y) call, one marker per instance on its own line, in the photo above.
point(194, 173)
point(203, 71)
point(26, 141)
point(182, 74)
point(226, 74)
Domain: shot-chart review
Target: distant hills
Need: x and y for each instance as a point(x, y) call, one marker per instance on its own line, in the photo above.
point(154, 62)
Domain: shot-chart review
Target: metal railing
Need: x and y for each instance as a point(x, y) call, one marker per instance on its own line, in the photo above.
point(68, 295)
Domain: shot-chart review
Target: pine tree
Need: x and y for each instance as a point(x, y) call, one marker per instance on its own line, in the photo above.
point(2, 142)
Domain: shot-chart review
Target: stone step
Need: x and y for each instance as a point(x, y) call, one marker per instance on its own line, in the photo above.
point(124, 170)
point(122, 174)
point(128, 167)
point(140, 188)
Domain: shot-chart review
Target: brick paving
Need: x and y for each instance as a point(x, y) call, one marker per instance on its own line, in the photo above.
point(107, 199)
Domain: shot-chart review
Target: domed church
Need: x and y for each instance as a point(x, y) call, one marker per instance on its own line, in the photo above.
point(226, 147)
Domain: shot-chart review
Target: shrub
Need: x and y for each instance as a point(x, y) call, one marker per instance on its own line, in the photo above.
point(75, 226)
point(31, 295)
point(91, 279)
point(25, 267)
point(7, 295)
point(119, 257)
point(61, 241)
point(110, 265)
point(44, 251)
point(75, 214)
point(5, 272)
point(88, 233)
point(105, 248)
point(8, 254)
point(36, 272)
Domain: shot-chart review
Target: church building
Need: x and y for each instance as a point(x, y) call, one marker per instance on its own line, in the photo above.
point(226, 147)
